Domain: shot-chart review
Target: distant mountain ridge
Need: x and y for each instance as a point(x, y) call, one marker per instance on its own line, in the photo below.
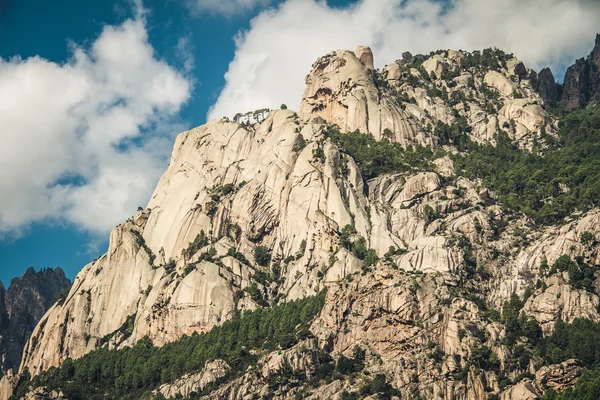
point(22, 306)
point(580, 87)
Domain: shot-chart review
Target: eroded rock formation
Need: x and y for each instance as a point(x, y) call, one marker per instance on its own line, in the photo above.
point(446, 254)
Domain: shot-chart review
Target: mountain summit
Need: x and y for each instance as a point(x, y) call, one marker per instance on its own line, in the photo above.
point(432, 200)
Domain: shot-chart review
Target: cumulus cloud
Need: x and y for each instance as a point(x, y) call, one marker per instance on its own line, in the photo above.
point(85, 141)
point(227, 8)
point(275, 54)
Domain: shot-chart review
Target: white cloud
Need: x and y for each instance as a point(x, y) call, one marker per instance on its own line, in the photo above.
point(228, 8)
point(275, 54)
point(84, 141)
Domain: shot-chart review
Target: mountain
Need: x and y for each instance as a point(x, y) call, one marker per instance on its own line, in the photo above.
point(22, 306)
point(582, 81)
point(580, 87)
point(426, 230)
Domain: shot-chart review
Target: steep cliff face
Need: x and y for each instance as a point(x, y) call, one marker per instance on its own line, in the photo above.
point(3, 312)
point(27, 300)
point(23, 305)
point(21, 308)
point(236, 186)
point(545, 84)
point(407, 99)
point(416, 261)
point(582, 81)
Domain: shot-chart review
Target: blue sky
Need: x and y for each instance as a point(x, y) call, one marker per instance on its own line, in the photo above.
point(35, 27)
point(71, 172)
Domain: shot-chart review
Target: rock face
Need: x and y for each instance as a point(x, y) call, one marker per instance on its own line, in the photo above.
point(22, 306)
point(365, 55)
point(582, 81)
point(197, 382)
point(402, 100)
point(558, 376)
point(26, 301)
point(341, 89)
point(547, 87)
point(560, 301)
point(443, 254)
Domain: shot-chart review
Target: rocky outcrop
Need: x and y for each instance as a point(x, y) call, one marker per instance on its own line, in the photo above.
point(3, 313)
point(274, 193)
point(196, 383)
point(22, 306)
point(7, 384)
point(26, 301)
point(341, 89)
point(524, 390)
point(559, 300)
point(545, 84)
point(404, 98)
point(558, 376)
point(365, 55)
point(581, 85)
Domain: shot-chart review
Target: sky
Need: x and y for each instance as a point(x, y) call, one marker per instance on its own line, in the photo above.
point(92, 94)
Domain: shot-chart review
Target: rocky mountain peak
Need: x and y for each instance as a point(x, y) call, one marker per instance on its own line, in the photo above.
point(22, 306)
point(365, 55)
point(433, 274)
point(595, 57)
point(3, 312)
point(581, 87)
point(483, 92)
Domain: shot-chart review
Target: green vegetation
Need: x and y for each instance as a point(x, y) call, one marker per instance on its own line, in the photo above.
point(199, 242)
point(380, 157)
point(517, 324)
point(135, 371)
point(587, 388)
point(125, 330)
point(454, 134)
point(579, 340)
point(299, 144)
point(257, 295)
point(581, 275)
point(238, 255)
point(262, 256)
point(488, 59)
point(141, 242)
point(549, 187)
point(350, 239)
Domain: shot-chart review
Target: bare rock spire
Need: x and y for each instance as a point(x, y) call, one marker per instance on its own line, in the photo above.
point(365, 55)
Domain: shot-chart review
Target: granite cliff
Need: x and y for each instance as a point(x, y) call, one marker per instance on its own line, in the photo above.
point(423, 264)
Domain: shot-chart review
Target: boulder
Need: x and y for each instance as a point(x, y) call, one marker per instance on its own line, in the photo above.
point(516, 67)
point(365, 55)
point(393, 72)
point(524, 390)
point(558, 376)
point(434, 65)
point(500, 82)
point(197, 382)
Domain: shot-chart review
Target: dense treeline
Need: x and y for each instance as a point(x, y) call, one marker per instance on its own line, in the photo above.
point(579, 340)
point(548, 187)
point(587, 388)
point(374, 158)
point(133, 371)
